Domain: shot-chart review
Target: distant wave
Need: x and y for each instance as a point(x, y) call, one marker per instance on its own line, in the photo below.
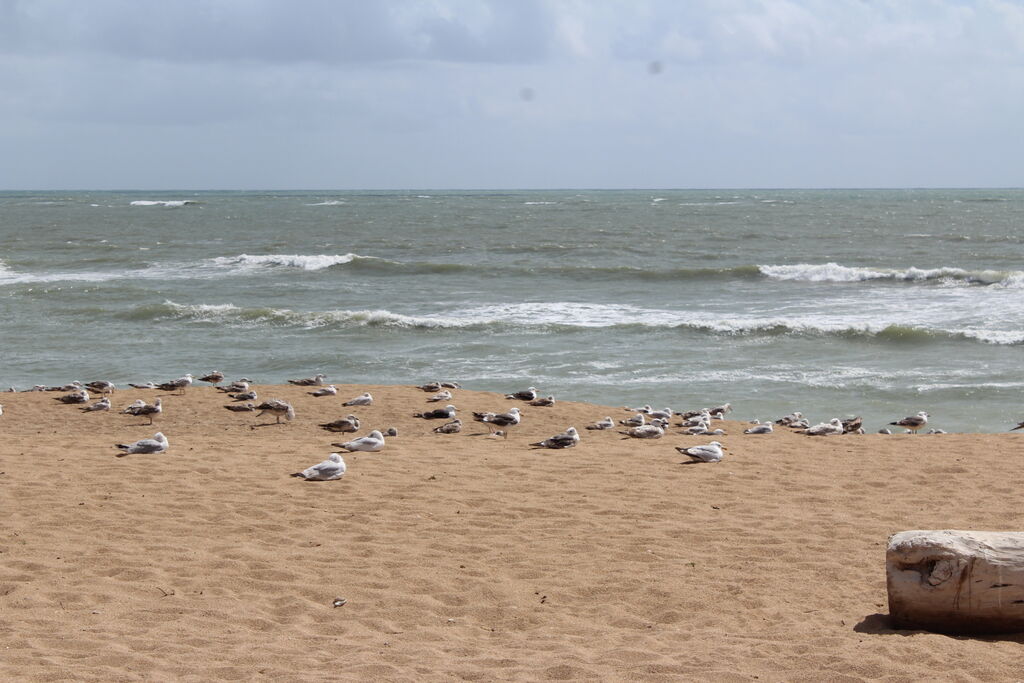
point(170, 203)
point(833, 272)
point(329, 202)
point(305, 262)
point(563, 317)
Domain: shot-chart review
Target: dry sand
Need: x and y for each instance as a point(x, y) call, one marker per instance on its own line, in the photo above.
point(470, 557)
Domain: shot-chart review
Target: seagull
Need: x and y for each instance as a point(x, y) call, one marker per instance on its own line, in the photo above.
point(833, 426)
point(391, 431)
point(362, 400)
point(712, 452)
point(149, 410)
point(214, 378)
point(345, 424)
point(721, 410)
point(102, 404)
point(1, 410)
point(372, 442)
point(446, 413)
point(74, 386)
point(440, 396)
point(329, 390)
point(147, 385)
point(101, 386)
point(180, 384)
point(314, 381)
point(451, 385)
point(545, 402)
point(158, 444)
point(788, 420)
point(703, 417)
point(331, 468)
point(567, 439)
point(494, 420)
point(936, 431)
point(607, 423)
point(664, 414)
point(79, 396)
point(1020, 425)
point(852, 425)
point(883, 430)
point(277, 408)
point(243, 408)
point(914, 422)
point(765, 428)
point(528, 395)
point(238, 386)
point(453, 427)
point(244, 396)
point(634, 421)
point(430, 387)
point(653, 430)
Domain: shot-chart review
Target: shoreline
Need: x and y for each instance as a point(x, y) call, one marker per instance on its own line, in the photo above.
point(467, 556)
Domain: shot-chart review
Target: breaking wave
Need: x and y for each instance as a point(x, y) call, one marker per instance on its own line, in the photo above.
point(833, 272)
point(169, 203)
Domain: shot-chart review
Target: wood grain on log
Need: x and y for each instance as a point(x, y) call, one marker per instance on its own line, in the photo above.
point(956, 581)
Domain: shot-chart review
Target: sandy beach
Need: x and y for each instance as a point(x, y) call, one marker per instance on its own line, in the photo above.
point(469, 557)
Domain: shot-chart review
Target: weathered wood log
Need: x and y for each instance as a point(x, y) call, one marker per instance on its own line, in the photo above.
point(956, 581)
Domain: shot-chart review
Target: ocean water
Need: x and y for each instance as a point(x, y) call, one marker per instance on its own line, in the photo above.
point(877, 303)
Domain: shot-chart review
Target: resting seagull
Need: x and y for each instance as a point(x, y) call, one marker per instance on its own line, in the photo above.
point(712, 452)
point(102, 404)
point(528, 395)
point(446, 413)
point(371, 443)
point(243, 408)
point(363, 400)
point(567, 439)
point(453, 427)
point(440, 396)
point(80, 396)
point(314, 381)
point(913, 423)
point(345, 424)
point(765, 428)
point(331, 468)
point(329, 390)
point(179, 384)
point(158, 444)
point(832, 427)
point(102, 386)
point(607, 423)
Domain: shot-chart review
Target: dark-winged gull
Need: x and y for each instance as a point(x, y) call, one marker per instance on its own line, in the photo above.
point(446, 413)
point(913, 423)
point(238, 386)
point(606, 423)
point(329, 390)
point(143, 409)
point(787, 420)
point(720, 411)
point(854, 425)
point(496, 420)
point(345, 424)
point(241, 408)
point(179, 384)
point(101, 386)
point(527, 395)
point(567, 439)
point(244, 396)
point(277, 408)
point(102, 404)
point(361, 400)
point(314, 381)
point(634, 421)
point(371, 443)
point(430, 387)
point(543, 402)
point(79, 396)
point(1020, 425)
point(214, 378)
point(331, 468)
point(712, 452)
point(450, 385)
point(453, 427)
point(158, 444)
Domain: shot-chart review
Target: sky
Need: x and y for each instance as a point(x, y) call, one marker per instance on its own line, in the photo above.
point(492, 94)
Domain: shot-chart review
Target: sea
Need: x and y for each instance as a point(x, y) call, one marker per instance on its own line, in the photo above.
point(836, 303)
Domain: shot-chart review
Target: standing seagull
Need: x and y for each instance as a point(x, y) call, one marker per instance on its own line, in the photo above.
point(179, 384)
point(158, 444)
point(362, 400)
point(914, 422)
point(214, 378)
point(145, 409)
point(371, 443)
point(712, 452)
point(496, 420)
point(331, 468)
point(277, 408)
point(102, 386)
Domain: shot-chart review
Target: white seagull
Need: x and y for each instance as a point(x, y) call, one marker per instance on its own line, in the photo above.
point(372, 442)
point(567, 439)
point(833, 426)
point(363, 400)
point(765, 428)
point(606, 423)
point(331, 468)
point(158, 444)
point(329, 390)
point(712, 452)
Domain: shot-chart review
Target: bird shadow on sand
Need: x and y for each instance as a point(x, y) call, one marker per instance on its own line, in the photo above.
point(881, 625)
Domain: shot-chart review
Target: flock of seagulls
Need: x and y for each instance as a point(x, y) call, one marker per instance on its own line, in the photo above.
point(644, 422)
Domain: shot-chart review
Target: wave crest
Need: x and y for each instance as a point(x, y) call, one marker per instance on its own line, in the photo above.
point(833, 272)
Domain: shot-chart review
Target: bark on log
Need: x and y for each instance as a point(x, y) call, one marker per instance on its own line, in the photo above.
point(956, 581)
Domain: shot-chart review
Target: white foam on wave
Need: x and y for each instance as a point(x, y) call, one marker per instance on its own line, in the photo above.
point(833, 272)
point(303, 261)
point(538, 203)
point(232, 314)
point(329, 202)
point(170, 203)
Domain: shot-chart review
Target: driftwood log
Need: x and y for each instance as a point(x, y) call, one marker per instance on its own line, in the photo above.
point(956, 581)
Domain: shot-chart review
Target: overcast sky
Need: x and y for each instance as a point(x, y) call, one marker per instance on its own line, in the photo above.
point(283, 94)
